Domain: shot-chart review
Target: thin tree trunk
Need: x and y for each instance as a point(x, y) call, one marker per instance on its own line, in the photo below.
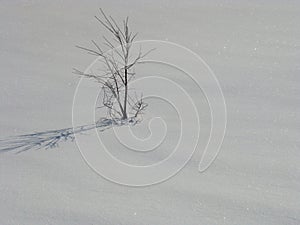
point(125, 96)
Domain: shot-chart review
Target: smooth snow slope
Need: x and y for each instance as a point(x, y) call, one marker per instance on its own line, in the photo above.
point(253, 48)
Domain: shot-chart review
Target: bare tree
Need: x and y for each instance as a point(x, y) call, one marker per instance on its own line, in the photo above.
point(119, 69)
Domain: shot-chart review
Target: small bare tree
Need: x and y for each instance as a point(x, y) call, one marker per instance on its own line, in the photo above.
point(119, 69)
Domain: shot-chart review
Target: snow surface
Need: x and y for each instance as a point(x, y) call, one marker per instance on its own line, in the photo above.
point(254, 49)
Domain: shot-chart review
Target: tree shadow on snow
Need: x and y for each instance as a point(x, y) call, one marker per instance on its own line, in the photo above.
point(51, 139)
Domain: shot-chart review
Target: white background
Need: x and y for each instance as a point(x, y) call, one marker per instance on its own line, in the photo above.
point(253, 48)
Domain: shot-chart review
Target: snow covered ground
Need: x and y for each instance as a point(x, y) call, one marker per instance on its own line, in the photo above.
point(254, 49)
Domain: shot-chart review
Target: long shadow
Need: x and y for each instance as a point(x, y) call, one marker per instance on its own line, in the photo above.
point(52, 138)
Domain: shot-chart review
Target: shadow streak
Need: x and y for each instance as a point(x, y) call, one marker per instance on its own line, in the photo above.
point(52, 138)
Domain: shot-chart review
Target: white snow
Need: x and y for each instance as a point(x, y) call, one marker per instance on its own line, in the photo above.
point(253, 48)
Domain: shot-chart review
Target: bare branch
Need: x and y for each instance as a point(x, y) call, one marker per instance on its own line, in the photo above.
point(119, 68)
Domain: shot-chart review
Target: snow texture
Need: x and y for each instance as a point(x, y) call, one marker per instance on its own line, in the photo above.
point(254, 49)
